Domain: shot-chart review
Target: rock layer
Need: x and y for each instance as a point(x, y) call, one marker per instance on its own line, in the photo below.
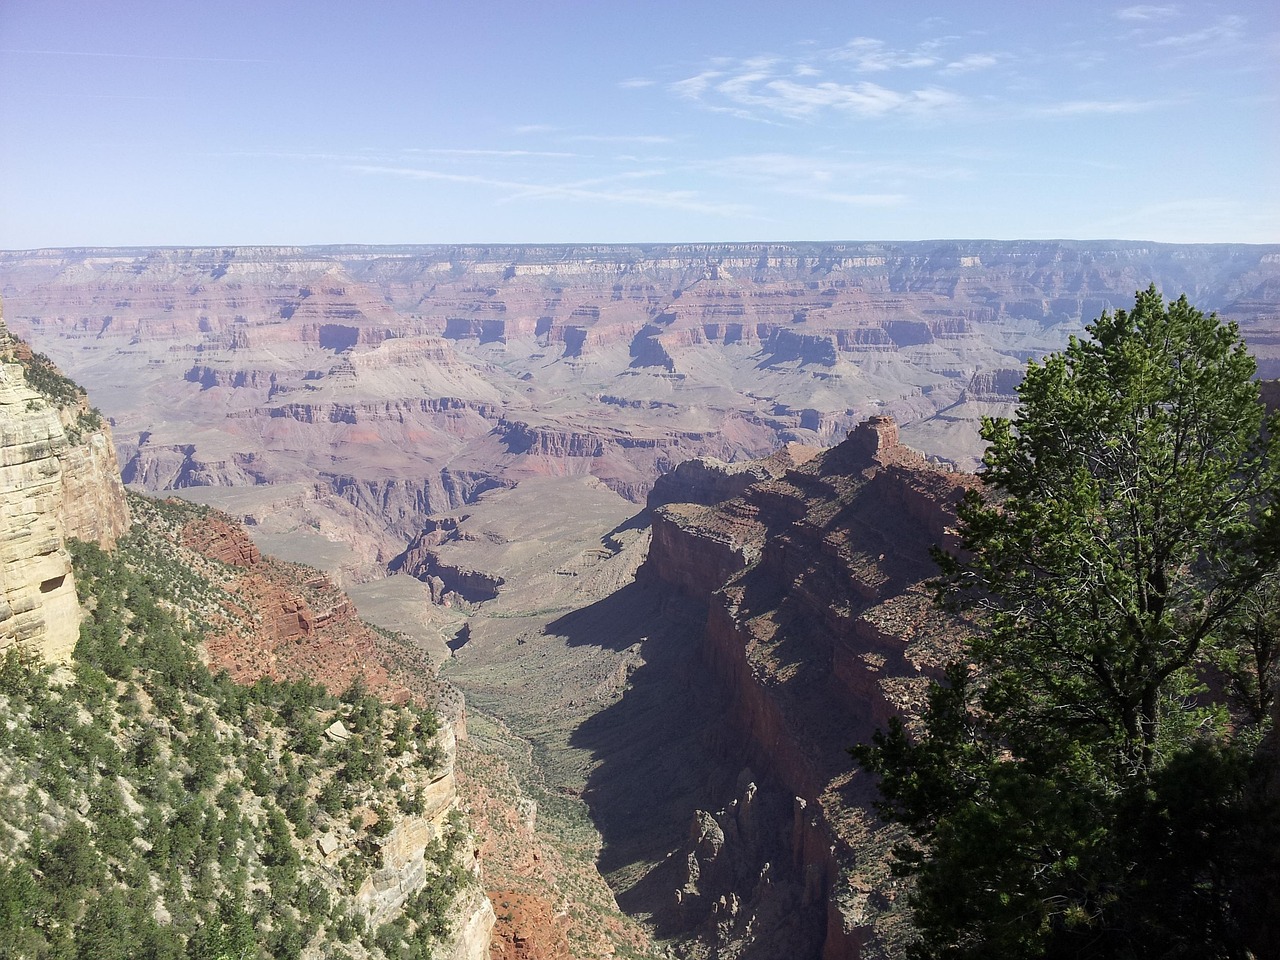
point(818, 628)
point(58, 479)
point(400, 382)
point(38, 606)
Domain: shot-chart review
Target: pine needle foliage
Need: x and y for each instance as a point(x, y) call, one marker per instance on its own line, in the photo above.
point(1093, 780)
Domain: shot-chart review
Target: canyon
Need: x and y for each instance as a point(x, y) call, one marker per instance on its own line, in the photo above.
point(362, 390)
point(662, 513)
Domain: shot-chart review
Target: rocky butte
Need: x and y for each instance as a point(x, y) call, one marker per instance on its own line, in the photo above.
point(817, 626)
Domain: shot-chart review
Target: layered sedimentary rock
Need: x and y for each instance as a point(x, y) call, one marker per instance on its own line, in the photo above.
point(403, 872)
point(58, 479)
point(93, 504)
point(284, 620)
point(399, 382)
point(818, 628)
point(38, 606)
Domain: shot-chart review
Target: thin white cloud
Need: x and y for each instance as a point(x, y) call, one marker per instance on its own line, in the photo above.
point(825, 179)
point(1227, 30)
point(692, 88)
point(1147, 12)
point(475, 152)
point(535, 128)
point(761, 87)
point(686, 200)
point(1077, 108)
point(971, 63)
point(859, 99)
point(869, 55)
point(635, 83)
point(850, 199)
point(620, 138)
point(826, 81)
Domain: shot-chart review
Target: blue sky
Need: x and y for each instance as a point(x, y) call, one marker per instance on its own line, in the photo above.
point(446, 121)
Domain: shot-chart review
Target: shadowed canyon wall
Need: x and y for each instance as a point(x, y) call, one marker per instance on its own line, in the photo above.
point(818, 628)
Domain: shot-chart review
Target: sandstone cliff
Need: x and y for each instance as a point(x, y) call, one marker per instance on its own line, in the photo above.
point(58, 479)
point(38, 609)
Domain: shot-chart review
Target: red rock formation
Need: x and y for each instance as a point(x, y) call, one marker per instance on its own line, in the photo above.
point(288, 621)
point(222, 541)
point(819, 627)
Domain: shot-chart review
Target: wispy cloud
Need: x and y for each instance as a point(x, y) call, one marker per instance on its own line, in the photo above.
point(761, 87)
point(869, 55)
point(970, 63)
point(1147, 12)
point(848, 199)
point(687, 200)
point(1076, 108)
point(824, 81)
point(880, 177)
point(859, 99)
point(1228, 29)
point(636, 83)
point(476, 152)
point(620, 138)
point(692, 88)
point(831, 178)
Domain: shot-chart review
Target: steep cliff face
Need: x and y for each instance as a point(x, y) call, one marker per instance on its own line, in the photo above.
point(58, 479)
point(38, 609)
point(818, 628)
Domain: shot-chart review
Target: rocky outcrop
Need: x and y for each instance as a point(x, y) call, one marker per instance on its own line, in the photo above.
point(93, 502)
point(1000, 385)
point(289, 621)
point(58, 479)
point(222, 541)
point(818, 628)
point(448, 580)
point(38, 607)
point(402, 872)
point(548, 442)
point(706, 480)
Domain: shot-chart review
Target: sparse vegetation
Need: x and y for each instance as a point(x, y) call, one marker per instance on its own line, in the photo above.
point(46, 379)
point(152, 808)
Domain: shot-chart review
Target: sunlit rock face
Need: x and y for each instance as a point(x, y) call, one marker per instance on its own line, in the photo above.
point(57, 480)
point(38, 607)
